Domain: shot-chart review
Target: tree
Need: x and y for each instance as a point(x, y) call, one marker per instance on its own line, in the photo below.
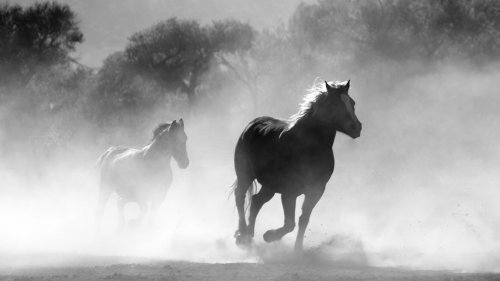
point(238, 41)
point(36, 36)
point(177, 53)
point(400, 30)
point(120, 91)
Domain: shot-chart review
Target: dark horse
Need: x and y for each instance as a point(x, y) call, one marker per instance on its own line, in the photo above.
point(142, 175)
point(292, 158)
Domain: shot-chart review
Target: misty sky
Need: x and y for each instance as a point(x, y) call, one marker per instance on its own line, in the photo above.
point(106, 24)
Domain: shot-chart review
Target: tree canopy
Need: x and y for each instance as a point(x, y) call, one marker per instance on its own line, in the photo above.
point(39, 35)
point(399, 29)
point(177, 53)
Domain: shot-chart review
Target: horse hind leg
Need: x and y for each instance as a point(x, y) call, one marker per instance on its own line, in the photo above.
point(241, 187)
point(258, 200)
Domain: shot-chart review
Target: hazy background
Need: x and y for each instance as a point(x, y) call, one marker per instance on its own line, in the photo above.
point(419, 188)
point(108, 24)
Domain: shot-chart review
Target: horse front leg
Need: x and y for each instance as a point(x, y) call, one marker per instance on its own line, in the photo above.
point(288, 202)
point(310, 200)
point(121, 213)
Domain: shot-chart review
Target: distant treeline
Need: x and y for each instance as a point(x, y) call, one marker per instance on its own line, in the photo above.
point(401, 29)
point(223, 67)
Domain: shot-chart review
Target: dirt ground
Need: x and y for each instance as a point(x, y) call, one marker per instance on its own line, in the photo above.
point(105, 268)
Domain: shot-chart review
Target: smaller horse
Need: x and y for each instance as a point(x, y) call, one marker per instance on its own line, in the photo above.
point(142, 175)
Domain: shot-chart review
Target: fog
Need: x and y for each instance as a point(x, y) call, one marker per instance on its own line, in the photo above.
point(418, 189)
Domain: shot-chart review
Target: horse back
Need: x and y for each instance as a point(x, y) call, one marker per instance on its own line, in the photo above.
point(264, 130)
point(132, 176)
point(260, 136)
point(110, 154)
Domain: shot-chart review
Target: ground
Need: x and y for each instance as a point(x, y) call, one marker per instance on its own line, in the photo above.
point(106, 268)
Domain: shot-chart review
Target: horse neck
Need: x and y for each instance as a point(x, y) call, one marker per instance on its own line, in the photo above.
point(314, 130)
point(155, 152)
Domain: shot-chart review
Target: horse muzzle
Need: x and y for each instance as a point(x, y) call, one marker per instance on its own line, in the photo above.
point(354, 130)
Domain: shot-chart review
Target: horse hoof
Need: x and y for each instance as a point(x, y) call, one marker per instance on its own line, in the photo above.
point(243, 240)
point(270, 236)
point(299, 250)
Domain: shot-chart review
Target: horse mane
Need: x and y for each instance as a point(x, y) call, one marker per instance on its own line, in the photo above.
point(314, 95)
point(161, 127)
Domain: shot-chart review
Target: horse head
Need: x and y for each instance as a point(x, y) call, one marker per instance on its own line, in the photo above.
point(338, 109)
point(172, 138)
point(178, 138)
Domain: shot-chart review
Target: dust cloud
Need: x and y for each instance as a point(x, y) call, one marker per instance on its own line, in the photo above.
point(418, 189)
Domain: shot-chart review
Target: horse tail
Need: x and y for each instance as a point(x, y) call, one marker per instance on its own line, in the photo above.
point(232, 188)
point(251, 191)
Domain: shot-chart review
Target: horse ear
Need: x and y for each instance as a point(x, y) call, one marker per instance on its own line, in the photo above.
point(348, 84)
point(181, 122)
point(328, 87)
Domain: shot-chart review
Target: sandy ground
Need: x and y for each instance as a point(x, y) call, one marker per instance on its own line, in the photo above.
point(107, 268)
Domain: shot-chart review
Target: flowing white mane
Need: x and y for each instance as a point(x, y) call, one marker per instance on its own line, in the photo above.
point(314, 94)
